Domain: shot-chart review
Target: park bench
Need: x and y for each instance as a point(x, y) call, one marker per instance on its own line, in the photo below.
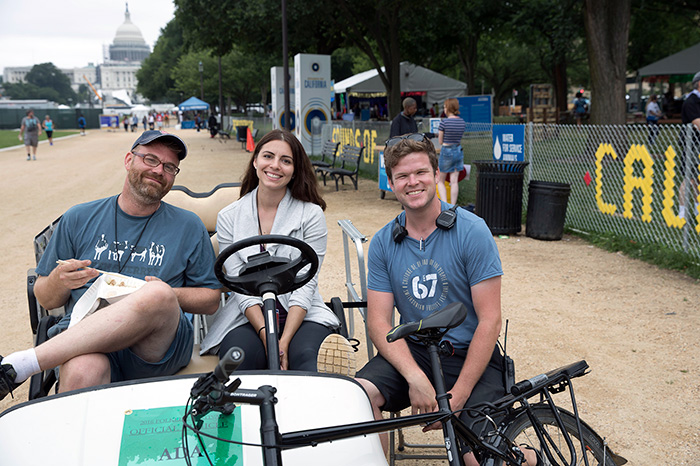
point(328, 154)
point(223, 135)
point(349, 157)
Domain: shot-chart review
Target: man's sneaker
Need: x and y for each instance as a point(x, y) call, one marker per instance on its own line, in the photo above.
point(7, 379)
point(336, 356)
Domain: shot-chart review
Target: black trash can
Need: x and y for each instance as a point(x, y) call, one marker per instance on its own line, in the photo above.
point(499, 195)
point(546, 209)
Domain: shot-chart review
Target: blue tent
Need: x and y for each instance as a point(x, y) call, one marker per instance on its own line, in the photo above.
point(193, 103)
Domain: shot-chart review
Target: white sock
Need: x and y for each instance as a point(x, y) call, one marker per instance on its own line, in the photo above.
point(24, 363)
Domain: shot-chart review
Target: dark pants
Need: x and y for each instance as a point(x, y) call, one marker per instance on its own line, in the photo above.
point(303, 349)
point(394, 387)
point(653, 130)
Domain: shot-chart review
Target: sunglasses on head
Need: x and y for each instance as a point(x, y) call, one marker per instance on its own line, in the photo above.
point(420, 137)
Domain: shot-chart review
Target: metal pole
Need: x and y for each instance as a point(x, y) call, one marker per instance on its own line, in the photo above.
point(221, 96)
point(285, 66)
point(201, 81)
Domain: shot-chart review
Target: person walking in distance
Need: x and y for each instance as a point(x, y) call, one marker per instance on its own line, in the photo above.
point(29, 132)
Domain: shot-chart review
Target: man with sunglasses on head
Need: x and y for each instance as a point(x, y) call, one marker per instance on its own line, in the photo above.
point(146, 333)
point(431, 255)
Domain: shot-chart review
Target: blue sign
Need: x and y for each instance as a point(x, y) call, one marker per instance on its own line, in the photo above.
point(476, 110)
point(509, 142)
point(383, 179)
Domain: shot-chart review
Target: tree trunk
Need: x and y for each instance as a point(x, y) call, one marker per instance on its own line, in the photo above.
point(607, 32)
point(394, 69)
point(560, 85)
point(467, 57)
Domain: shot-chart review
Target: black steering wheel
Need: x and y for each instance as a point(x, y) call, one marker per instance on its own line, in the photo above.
point(265, 273)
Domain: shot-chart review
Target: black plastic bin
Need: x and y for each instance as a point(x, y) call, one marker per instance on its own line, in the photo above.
point(499, 195)
point(546, 209)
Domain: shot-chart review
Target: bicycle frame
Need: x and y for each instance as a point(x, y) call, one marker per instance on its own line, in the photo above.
point(273, 442)
point(488, 446)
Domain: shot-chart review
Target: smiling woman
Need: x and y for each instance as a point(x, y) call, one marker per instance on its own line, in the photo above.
point(279, 196)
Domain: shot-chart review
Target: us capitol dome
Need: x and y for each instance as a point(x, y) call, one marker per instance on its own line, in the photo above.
point(129, 44)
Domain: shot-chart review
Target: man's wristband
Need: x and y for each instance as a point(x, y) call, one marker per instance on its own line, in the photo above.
point(261, 329)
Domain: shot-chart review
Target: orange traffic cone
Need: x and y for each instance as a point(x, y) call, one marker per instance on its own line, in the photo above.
point(250, 143)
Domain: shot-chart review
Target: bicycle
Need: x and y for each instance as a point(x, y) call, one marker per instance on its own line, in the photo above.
point(513, 423)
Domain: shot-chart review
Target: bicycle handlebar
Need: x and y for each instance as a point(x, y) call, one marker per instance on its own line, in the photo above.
point(229, 363)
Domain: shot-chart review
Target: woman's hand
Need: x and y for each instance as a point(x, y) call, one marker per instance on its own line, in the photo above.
point(284, 354)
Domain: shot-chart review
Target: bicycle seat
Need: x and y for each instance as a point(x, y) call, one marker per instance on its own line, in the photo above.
point(444, 319)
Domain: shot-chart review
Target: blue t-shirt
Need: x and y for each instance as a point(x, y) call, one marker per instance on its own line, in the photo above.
point(174, 246)
point(442, 272)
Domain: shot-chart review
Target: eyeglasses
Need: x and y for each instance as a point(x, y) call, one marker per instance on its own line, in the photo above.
point(420, 137)
point(153, 161)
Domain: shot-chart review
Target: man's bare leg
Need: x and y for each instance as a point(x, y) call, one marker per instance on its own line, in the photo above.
point(145, 321)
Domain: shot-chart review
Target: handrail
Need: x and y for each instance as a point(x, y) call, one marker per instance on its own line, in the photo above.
point(352, 233)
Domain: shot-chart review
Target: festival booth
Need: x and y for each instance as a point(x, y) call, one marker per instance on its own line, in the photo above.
point(366, 90)
point(189, 108)
point(679, 67)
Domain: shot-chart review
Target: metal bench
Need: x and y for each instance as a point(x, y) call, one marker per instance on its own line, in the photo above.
point(328, 155)
point(349, 157)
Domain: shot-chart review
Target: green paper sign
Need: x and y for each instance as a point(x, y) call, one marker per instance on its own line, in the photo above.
point(154, 437)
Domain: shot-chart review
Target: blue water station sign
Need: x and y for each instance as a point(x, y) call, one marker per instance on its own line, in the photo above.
point(509, 142)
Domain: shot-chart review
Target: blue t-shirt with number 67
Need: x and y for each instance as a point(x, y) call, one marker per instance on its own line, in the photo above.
point(425, 277)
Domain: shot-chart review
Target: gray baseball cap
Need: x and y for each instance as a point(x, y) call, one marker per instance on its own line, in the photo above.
point(149, 136)
point(696, 78)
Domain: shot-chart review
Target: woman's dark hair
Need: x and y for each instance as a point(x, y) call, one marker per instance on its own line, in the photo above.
point(303, 185)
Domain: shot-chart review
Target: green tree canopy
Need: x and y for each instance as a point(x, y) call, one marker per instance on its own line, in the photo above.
point(155, 80)
point(44, 81)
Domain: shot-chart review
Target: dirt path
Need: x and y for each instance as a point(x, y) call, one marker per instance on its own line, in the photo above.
point(636, 325)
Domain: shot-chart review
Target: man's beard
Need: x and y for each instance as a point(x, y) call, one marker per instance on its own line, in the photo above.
point(147, 193)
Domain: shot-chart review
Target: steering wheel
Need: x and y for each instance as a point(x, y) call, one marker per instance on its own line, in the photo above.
point(265, 273)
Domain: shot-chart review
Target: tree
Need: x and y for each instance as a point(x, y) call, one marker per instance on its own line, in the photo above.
point(374, 26)
point(607, 31)
point(43, 81)
point(659, 28)
point(203, 33)
point(245, 79)
point(506, 64)
point(461, 29)
point(553, 30)
point(155, 81)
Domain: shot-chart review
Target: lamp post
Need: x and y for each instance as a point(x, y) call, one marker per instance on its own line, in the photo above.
point(201, 81)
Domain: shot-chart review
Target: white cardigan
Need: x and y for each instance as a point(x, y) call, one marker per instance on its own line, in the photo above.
point(295, 218)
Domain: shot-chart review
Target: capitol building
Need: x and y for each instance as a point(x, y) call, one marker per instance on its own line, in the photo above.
point(115, 79)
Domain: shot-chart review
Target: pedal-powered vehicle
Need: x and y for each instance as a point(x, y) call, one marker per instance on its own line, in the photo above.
point(280, 417)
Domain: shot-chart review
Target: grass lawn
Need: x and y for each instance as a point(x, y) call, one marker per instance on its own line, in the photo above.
point(9, 138)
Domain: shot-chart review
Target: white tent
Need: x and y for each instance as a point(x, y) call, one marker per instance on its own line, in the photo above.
point(414, 78)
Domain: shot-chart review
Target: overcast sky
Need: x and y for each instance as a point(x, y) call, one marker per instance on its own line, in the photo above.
point(71, 33)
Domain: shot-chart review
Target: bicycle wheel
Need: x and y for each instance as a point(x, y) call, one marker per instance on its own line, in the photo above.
point(521, 432)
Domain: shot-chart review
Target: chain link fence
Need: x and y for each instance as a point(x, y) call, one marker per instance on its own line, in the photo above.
point(636, 181)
